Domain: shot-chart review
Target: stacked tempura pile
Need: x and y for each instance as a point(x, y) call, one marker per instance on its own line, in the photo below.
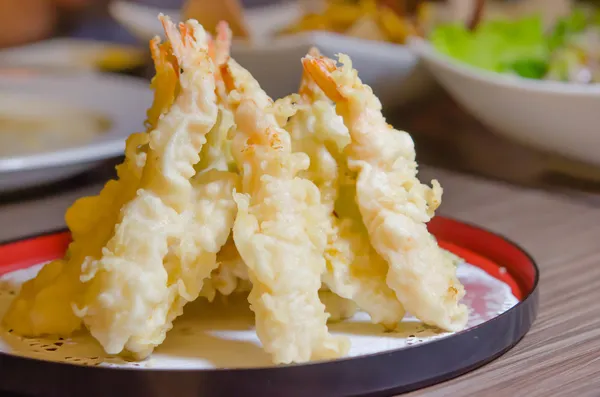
point(312, 197)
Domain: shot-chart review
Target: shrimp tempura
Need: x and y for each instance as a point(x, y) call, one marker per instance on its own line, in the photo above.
point(164, 245)
point(280, 231)
point(394, 205)
point(354, 270)
point(44, 304)
point(231, 273)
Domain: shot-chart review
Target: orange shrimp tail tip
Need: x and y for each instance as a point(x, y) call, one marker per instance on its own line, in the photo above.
point(320, 70)
point(227, 77)
point(223, 31)
point(222, 42)
point(180, 36)
point(164, 21)
point(211, 49)
point(154, 48)
point(170, 30)
point(187, 34)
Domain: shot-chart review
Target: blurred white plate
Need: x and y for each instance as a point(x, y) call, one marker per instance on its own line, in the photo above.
point(119, 101)
point(557, 117)
point(392, 70)
point(72, 54)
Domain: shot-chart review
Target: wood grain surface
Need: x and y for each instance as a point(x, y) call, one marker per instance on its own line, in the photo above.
point(560, 356)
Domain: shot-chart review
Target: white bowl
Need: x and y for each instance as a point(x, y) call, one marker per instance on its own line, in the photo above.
point(392, 70)
point(562, 118)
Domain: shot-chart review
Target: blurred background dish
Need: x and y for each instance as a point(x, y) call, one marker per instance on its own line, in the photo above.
point(566, 49)
point(383, 20)
point(558, 117)
point(31, 125)
point(53, 126)
point(74, 54)
point(278, 40)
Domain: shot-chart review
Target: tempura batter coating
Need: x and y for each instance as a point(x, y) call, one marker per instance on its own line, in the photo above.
point(394, 205)
point(164, 244)
point(45, 304)
point(354, 270)
point(326, 210)
point(280, 232)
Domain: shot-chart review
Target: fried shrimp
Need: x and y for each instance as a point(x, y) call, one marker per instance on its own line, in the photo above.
point(230, 274)
point(394, 205)
point(319, 132)
point(153, 264)
point(308, 205)
point(219, 50)
point(44, 304)
point(216, 152)
point(280, 232)
point(354, 270)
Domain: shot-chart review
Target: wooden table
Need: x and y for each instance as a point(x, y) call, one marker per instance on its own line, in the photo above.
point(560, 356)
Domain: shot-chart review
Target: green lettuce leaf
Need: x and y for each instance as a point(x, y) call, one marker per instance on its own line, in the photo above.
point(506, 46)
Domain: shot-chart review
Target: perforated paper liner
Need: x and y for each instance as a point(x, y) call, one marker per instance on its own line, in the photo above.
point(221, 334)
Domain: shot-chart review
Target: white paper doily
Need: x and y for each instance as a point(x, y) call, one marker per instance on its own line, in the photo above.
point(221, 334)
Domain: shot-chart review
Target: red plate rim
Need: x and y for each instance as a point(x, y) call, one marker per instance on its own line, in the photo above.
point(498, 256)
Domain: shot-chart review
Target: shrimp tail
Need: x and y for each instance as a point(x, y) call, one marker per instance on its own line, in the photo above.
point(185, 38)
point(155, 49)
point(227, 76)
point(308, 88)
point(173, 35)
point(212, 48)
point(161, 54)
point(223, 43)
point(320, 70)
point(165, 82)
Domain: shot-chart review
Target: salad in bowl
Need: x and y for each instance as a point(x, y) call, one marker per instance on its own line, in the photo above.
point(532, 83)
point(569, 51)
